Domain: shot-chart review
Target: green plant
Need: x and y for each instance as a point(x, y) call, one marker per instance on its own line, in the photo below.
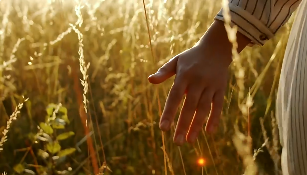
point(51, 133)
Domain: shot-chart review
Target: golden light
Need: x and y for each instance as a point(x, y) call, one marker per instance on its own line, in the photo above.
point(201, 161)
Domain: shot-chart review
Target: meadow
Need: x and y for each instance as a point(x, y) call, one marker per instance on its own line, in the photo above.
point(74, 91)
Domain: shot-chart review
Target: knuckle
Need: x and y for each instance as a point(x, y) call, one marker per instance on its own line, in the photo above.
point(189, 106)
point(207, 96)
point(163, 68)
point(176, 91)
point(205, 103)
point(191, 102)
point(183, 74)
point(191, 74)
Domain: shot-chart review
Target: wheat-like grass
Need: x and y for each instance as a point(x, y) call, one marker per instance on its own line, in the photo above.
point(6, 66)
point(12, 59)
point(13, 117)
point(112, 38)
point(170, 167)
point(239, 70)
point(61, 36)
point(3, 29)
point(83, 66)
point(272, 147)
point(243, 146)
point(242, 143)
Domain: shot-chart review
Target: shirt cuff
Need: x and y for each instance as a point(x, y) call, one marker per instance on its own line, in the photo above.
point(248, 25)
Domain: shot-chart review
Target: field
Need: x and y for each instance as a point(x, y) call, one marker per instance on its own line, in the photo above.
point(48, 46)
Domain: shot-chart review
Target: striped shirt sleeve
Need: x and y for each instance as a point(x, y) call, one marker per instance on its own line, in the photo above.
point(259, 20)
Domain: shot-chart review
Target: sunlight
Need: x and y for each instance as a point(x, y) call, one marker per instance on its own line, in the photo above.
point(201, 162)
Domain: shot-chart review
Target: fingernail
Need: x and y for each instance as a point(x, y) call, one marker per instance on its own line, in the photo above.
point(193, 137)
point(179, 139)
point(164, 125)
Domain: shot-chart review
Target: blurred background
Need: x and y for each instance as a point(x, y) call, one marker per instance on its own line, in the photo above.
point(80, 69)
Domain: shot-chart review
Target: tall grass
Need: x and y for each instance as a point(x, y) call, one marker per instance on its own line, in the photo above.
point(121, 108)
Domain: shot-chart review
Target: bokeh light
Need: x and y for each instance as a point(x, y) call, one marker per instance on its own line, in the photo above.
point(201, 162)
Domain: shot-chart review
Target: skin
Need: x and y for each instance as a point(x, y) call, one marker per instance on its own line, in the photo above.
point(201, 76)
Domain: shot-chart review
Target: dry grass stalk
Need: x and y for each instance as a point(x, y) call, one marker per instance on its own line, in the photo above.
point(259, 150)
point(83, 66)
point(83, 117)
point(12, 59)
point(242, 143)
point(119, 33)
point(4, 91)
point(9, 122)
point(170, 167)
point(272, 148)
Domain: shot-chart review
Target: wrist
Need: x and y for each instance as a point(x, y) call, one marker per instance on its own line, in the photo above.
point(216, 40)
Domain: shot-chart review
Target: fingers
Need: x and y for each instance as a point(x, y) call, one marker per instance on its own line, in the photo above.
point(217, 106)
point(172, 103)
point(203, 109)
point(165, 72)
point(187, 114)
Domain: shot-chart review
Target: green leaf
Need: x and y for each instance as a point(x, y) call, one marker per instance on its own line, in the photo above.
point(49, 111)
point(43, 154)
point(65, 118)
point(41, 170)
point(50, 108)
point(63, 110)
point(65, 135)
point(46, 128)
point(19, 168)
point(66, 152)
point(56, 125)
point(131, 169)
point(52, 105)
point(29, 109)
point(53, 147)
point(31, 136)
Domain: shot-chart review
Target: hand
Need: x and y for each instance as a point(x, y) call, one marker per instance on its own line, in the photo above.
point(204, 79)
point(201, 74)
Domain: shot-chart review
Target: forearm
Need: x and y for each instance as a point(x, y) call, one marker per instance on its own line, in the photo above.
point(256, 20)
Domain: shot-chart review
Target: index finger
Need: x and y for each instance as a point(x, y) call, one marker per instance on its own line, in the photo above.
point(172, 103)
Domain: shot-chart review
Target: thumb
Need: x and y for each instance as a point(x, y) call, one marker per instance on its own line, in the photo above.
point(165, 72)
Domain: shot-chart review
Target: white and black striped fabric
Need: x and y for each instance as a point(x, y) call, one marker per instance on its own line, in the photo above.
point(259, 20)
point(291, 109)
